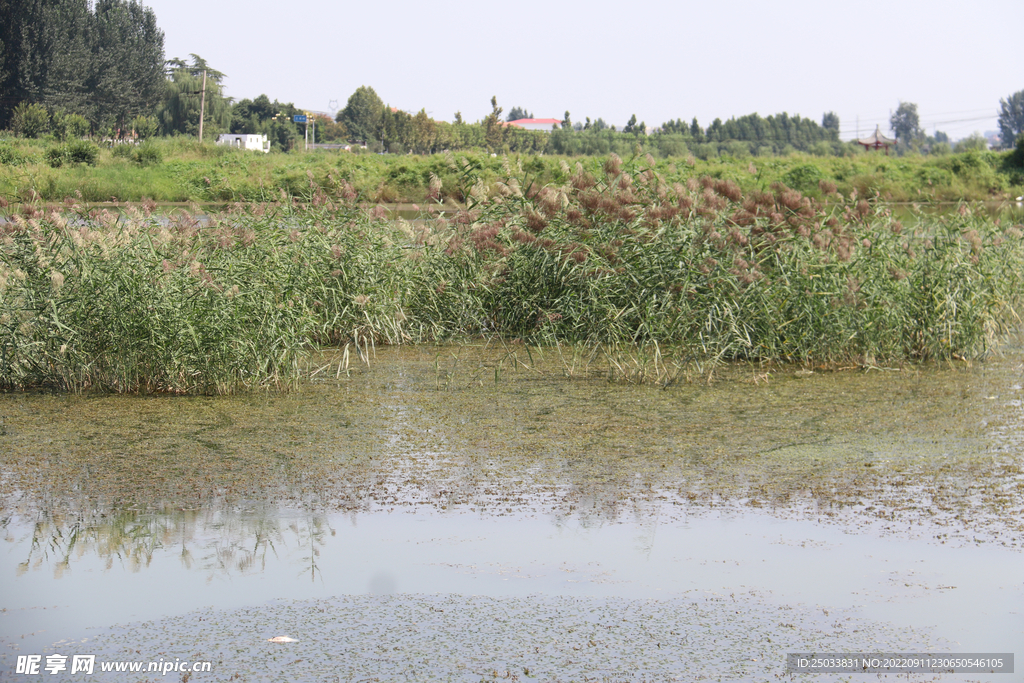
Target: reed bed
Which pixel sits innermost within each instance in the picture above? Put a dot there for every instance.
(620, 260)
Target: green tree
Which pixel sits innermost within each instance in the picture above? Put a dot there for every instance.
(178, 112)
(396, 130)
(32, 36)
(253, 116)
(274, 119)
(67, 126)
(517, 113)
(974, 141)
(677, 127)
(906, 124)
(145, 127)
(830, 121)
(128, 58)
(714, 132)
(67, 65)
(494, 130)
(328, 130)
(103, 61)
(696, 132)
(30, 120)
(362, 114)
(1011, 119)
(424, 133)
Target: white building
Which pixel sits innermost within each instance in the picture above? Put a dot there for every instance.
(546, 125)
(260, 143)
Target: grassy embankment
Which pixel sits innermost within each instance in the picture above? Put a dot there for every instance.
(180, 169)
(696, 273)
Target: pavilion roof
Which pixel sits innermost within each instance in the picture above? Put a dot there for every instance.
(876, 139)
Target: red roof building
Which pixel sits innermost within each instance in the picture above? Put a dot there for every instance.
(535, 124)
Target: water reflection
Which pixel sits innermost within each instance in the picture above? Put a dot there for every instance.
(214, 542)
(227, 480)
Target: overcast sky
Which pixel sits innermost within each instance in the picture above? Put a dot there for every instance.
(660, 59)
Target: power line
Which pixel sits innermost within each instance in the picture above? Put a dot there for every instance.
(976, 118)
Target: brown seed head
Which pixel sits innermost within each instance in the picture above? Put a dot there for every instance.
(613, 166)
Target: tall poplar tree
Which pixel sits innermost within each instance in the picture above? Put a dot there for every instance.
(101, 61)
(128, 61)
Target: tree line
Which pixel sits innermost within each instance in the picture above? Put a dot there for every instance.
(368, 120)
(73, 67)
(99, 62)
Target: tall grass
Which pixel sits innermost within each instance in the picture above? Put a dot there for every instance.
(618, 258)
(762, 275)
(181, 169)
(127, 303)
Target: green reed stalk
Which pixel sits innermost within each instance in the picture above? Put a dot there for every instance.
(654, 274)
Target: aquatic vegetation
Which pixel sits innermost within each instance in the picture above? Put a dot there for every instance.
(451, 637)
(720, 273)
(657, 276)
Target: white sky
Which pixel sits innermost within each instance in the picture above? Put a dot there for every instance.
(660, 60)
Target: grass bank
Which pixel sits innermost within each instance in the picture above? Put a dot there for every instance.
(700, 271)
(180, 169)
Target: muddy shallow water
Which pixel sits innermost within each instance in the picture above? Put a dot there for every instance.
(450, 514)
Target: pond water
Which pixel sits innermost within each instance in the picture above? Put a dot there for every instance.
(471, 513)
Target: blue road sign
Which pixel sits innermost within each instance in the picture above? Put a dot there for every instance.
(299, 118)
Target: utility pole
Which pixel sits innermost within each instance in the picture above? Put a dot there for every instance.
(202, 107)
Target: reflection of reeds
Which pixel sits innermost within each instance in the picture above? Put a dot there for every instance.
(620, 262)
(220, 542)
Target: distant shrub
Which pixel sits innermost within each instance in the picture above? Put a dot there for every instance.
(672, 146)
(145, 127)
(935, 177)
(705, 151)
(737, 149)
(82, 152)
(975, 141)
(30, 120)
(147, 154)
(966, 162)
(55, 156)
(74, 152)
(122, 151)
(9, 156)
(804, 178)
(67, 126)
(822, 148)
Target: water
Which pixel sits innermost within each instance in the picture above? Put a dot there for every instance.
(470, 521)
